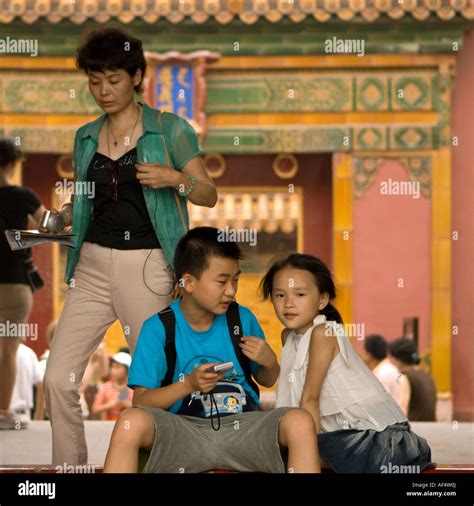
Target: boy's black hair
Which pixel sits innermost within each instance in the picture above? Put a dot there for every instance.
(10, 153)
(321, 275)
(111, 48)
(376, 345)
(196, 247)
(404, 349)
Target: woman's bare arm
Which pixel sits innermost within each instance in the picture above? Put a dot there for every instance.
(204, 192)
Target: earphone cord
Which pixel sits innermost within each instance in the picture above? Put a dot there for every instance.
(213, 401)
(146, 284)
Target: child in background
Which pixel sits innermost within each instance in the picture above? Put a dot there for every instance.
(114, 396)
(360, 427)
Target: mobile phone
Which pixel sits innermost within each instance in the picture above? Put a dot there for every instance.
(218, 368)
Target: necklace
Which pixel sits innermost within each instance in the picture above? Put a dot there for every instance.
(115, 140)
(114, 165)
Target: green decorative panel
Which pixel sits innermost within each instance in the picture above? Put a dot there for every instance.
(411, 137)
(267, 140)
(308, 139)
(270, 91)
(291, 139)
(372, 93)
(330, 94)
(370, 138)
(319, 91)
(442, 103)
(44, 140)
(412, 93)
(66, 93)
(239, 92)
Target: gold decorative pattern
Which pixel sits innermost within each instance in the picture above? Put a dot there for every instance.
(224, 11)
(366, 169)
(215, 165)
(285, 172)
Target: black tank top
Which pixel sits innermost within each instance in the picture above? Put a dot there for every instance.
(123, 223)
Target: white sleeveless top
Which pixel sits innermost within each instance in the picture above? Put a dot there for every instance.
(351, 396)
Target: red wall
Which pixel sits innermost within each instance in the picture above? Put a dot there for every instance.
(314, 176)
(463, 223)
(391, 241)
(40, 175)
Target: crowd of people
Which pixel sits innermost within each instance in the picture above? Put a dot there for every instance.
(103, 394)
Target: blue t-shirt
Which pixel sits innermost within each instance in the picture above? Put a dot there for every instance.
(193, 349)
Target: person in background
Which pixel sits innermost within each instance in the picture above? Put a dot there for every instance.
(96, 373)
(19, 206)
(419, 391)
(376, 358)
(114, 395)
(29, 375)
(49, 338)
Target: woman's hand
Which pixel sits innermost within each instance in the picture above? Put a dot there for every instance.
(46, 230)
(156, 175)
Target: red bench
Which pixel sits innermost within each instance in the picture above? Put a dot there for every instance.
(48, 469)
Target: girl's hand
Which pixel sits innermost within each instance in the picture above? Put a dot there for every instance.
(156, 175)
(258, 350)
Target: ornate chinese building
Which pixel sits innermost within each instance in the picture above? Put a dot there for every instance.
(306, 110)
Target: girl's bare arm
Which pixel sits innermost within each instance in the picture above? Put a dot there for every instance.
(321, 351)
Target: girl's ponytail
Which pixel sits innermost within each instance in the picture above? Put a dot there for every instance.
(332, 314)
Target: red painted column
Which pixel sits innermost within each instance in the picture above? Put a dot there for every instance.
(463, 224)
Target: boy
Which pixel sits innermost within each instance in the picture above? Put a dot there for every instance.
(173, 416)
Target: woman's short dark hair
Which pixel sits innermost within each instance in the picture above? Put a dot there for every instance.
(10, 153)
(405, 350)
(111, 48)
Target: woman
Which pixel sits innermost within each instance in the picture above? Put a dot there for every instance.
(418, 391)
(17, 204)
(143, 166)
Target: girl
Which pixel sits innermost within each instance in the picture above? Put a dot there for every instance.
(360, 427)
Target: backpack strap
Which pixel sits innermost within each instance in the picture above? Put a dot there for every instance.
(168, 319)
(235, 330)
(234, 325)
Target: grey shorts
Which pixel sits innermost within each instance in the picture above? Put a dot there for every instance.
(245, 442)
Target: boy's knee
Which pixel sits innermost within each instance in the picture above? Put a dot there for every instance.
(136, 425)
(296, 424)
